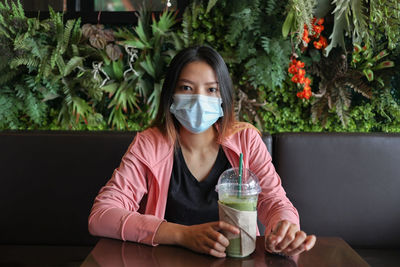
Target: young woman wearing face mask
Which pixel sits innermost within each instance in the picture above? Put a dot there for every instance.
(163, 192)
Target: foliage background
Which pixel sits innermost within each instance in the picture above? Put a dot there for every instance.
(58, 74)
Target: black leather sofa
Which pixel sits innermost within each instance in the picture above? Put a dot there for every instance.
(343, 185)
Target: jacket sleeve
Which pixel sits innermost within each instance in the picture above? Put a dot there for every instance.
(273, 205)
(115, 210)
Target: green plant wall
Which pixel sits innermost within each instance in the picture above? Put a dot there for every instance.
(58, 74)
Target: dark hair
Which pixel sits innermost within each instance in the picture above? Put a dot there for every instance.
(165, 121)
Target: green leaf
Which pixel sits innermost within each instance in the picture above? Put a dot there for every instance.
(265, 43)
(142, 35)
(118, 68)
(117, 119)
(359, 21)
(210, 5)
(110, 88)
(166, 21)
(288, 24)
(369, 74)
(337, 36)
(136, 43)
(147, 65)
(154, 99)
(381, 55)
(80, 108)
(384, 64)
(72, 64)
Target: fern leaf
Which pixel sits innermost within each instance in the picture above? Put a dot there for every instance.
(341, 103)
(271, 7)
(60, 64)
(211, 4)
(28, 61)
(8, 76)
(320, 110)
(355, 81)
(186, 27)
(265, 43)
(76, 33)
(17, 9)
(72, 64)
(69, 26)
(360, 31)
(4, 31)
(46, 68)
(75, 50)
(9, 110)
(342, 13)
(35, 108)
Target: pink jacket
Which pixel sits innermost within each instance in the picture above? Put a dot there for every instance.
(131, 206)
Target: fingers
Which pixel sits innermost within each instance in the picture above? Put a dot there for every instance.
(215, 248)
(297, 245)
(217, 254)
(292, 236)
(310, 242)
(218, 237)
(288, 239)
(277, 236)
(206, 238)
(218, 242)
(281, 231)
(221, 225)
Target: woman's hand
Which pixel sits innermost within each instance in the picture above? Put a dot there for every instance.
(206, 238)
(287, 238)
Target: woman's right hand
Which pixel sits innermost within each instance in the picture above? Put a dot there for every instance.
(204, 238)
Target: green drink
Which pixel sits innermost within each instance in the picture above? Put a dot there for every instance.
(238, 206)
(240, 203)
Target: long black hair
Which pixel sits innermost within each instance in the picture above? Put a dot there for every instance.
(165, 121)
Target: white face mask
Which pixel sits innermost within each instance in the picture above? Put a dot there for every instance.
(196, 112)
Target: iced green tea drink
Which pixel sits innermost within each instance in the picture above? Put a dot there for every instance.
(238, 206)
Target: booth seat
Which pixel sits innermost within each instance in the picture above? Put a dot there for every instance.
(343, 184)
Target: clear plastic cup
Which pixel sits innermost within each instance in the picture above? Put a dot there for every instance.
(241, 197)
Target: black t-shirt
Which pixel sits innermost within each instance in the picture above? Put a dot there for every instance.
(189, 201)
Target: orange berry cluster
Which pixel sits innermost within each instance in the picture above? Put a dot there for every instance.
(318, 28)
(296, 68)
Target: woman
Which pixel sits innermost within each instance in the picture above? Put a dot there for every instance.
(163, 192)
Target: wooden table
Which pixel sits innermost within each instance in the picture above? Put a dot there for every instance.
(328, 251)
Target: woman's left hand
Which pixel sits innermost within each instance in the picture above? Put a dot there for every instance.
(287, 239)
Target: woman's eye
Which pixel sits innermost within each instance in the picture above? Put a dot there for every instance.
(186, 88)
(212, 90)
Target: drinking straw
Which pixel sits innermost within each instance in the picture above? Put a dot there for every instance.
(240, 173)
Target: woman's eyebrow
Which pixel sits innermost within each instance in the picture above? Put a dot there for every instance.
(188, 81)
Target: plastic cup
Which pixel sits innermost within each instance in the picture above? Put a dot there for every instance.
(242, 197)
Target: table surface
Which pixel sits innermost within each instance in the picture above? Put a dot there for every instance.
(328, 251)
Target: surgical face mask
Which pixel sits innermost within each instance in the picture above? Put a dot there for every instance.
(196, 112)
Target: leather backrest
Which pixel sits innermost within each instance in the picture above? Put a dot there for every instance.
(343, 184)
(49, 181)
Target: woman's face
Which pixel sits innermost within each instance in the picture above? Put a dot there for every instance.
(198, 78)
